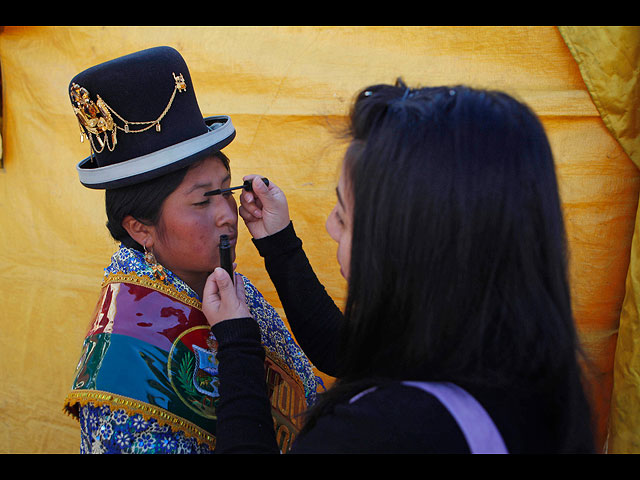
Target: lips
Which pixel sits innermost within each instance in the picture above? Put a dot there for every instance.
(232, 239)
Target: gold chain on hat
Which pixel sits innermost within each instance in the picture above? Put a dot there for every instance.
(96, 118)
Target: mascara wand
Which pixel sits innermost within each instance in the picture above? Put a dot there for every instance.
(246, 185)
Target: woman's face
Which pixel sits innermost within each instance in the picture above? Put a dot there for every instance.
(340, 222)
(187, 236)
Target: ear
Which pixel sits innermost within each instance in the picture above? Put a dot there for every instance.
(141, 233)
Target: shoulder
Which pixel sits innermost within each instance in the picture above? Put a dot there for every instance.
(254, 297)
(388, 419)
(258, 305)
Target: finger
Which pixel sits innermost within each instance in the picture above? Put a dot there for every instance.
(246, 197)
(246, 216)
(258, 183)
(241, 293)
(210, 297)
(211, 286)
(225, 285)
(263, 199)
(251, 177)
(260, 189)
(251, 203)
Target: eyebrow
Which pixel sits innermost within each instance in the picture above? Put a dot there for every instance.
(207, 186)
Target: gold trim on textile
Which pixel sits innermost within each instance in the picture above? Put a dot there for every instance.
(133, 407)
(169, 290)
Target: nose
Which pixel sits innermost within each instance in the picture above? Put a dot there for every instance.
(225, 211)
(330, 225)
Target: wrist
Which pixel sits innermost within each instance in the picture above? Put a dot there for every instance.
(280, 242)
(277, 228)
(242, 327)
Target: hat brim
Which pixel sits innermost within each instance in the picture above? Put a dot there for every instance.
(221, 133)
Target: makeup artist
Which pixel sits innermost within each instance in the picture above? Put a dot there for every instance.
(458, 334)
(147, 379)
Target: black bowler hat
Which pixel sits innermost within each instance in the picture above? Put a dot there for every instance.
(141, 118)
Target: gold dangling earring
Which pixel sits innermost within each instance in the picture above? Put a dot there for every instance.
(158, 270)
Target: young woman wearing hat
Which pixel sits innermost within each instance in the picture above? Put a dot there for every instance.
(458, 334)
(147, 379)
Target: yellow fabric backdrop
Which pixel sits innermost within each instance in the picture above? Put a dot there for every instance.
(288, 91)
(609, 59)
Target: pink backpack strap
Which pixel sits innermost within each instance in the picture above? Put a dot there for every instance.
(479, 430)
(477, 427)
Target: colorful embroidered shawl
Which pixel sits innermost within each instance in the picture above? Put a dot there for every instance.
(149, 351)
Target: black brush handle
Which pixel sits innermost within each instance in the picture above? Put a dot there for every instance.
(225, 255)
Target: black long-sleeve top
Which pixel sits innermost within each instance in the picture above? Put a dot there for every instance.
(392, 419)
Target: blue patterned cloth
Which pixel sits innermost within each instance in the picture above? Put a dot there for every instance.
(106, 431)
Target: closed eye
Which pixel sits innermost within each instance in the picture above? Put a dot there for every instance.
(208, 200)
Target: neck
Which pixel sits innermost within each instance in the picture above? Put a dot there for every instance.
(195, 281)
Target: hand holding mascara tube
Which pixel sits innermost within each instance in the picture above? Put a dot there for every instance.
(224, 297)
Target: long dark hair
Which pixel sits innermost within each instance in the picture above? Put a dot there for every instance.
(458, 263)
(143, 201)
